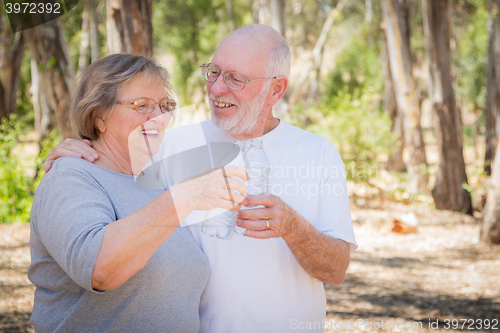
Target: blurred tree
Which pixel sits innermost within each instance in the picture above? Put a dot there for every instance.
(190, 31)
(492, 111)
(11, 55)
(400, 66)
(48, 47)
(490, 227)
(90, 46)
(83, 60)
(448, 192)
(271, 13)
(129, 26)
(395, 160)
(469, 40)
(95, 43)
(355, 124)
(368, 11)
(230, 14)
(314, 62)
(44, 115)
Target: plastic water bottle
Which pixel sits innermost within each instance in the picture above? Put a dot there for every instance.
(258, 168)
(220, 222)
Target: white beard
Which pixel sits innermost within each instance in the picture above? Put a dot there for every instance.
(245, 118)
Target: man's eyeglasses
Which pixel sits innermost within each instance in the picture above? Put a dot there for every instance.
(232, 80)
(147, 105)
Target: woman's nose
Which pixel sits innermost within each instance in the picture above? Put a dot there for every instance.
(156, 112)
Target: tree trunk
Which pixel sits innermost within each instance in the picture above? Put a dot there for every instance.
(492, 112)
(255, 11)
(129, 26)
(404, 88)
(272, 13)
(448, 192)
(48, 48)
(315, 60)
(95, 45)
(278, 18)
(230, 14)
(368, 11)
(44, 118)
(83, 60)
(12, 56)
(3, 109)
(490, 227)
(315, 77)
(395, 160)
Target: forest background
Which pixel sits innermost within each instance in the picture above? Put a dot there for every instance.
(408, 91)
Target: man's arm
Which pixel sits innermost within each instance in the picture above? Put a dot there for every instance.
(71, 147)
(323, 257)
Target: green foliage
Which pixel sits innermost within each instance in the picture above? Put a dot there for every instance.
(72, 25)
(357, 66)
(24, 105)
(189, 30)
(472, 57)
(50, 141)
(350, 114)
(17, 189)
(359, 130)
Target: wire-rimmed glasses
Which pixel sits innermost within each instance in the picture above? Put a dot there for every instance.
(232, 80)
(146, 105)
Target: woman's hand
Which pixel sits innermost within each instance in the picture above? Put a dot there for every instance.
(214, 189)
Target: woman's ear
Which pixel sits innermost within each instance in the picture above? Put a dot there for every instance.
(101, 124)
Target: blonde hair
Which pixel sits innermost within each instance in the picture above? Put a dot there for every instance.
(96, 90)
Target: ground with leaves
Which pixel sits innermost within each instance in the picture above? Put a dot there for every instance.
(437, 273)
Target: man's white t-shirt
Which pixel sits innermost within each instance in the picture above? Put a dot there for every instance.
(258, 285)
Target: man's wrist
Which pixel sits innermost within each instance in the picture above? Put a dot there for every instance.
(298, 228)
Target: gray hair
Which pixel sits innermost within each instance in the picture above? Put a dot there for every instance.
(280, 60)
(96, 90)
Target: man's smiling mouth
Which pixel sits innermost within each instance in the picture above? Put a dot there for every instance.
(223, 105)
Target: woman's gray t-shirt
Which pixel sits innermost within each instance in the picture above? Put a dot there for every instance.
(73, 204)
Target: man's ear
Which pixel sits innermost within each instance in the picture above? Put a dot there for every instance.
(101, 125)
(278, 87)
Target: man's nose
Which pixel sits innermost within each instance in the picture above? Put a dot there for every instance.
(218, 87)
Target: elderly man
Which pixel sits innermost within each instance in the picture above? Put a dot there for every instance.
(270, 279)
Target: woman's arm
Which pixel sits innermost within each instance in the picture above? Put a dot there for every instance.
(129, 243)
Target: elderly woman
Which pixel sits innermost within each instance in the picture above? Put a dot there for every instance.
(107, 255)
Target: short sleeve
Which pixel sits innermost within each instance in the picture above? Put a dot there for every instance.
(70, 218)
(334, 216)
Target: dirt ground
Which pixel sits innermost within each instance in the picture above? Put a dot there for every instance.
(395, 282)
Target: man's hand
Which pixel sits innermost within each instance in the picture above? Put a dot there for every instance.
(71, 147)
(323, 257)
(281, 217)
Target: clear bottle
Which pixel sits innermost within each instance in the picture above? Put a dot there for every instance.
(220, 222)
(258, 168)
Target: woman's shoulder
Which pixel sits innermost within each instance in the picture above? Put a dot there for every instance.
(74, 170)
(70, 162)
(71, 165)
